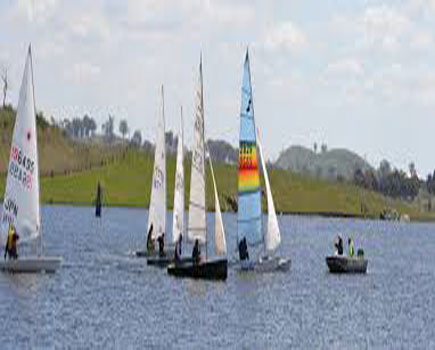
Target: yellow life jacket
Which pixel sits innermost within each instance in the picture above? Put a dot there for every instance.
(10, 239)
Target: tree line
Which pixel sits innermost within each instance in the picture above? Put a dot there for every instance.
(390, 182)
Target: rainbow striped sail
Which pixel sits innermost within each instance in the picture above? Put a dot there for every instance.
(249, 212)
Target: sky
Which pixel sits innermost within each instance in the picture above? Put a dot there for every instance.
(352, 74)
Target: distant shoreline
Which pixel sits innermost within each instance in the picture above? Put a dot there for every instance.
(337, 215)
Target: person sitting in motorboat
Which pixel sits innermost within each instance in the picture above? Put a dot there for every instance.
(196, 252)
(11, 243)
(150, 240)
(177, 254)
(351, 247)
(161, 240)
(243, 250)
(339, 245)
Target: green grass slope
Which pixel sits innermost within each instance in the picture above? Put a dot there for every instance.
(127, 182)
(57, 153)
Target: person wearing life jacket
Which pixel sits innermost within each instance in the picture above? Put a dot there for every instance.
(196, 253)
(243, 250)
(161, 240)
(339, 245)
(351, 247)
(177, 253)
(11, 243)
(150, 240)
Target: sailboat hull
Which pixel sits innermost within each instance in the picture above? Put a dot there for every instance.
(164, 261)
(266, 265)
(210, 270)
(38, 264)
(169, 252)
(346, 264)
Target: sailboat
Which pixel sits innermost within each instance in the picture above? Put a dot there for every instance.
(249, 218)
(21, 207)
(197, 229)
(178, 211)
(157, 209)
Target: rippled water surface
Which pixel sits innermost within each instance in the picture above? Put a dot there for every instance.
(103, 297)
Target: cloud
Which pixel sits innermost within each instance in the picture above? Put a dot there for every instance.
(284, 36)
(34, 11)
(87, 25)
(385, 27)
(422, 40)
(82, 72)
(345, 67)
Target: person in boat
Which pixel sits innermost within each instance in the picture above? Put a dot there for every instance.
(196, 253)
(161, 240)
(150, 240)
(11, 243)
(243, 250)
(339, 245)
(177, 254)
(351, 247)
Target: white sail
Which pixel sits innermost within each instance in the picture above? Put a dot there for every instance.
(178, 214)
(220, 244)
(21, 199)
(197, 222)
(157, 211)
(272, 238)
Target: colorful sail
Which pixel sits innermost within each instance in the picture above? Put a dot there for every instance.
(272, 238)
(21, 199)
(249, 201)
(157, 211)
(220, 244)
(197, 221)
(178, 214)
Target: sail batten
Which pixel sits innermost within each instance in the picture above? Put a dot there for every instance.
(21, 206)
(157, 210)
(197, 217)
(219, 232)
(272, 238)
(178, 214)
(249, 191)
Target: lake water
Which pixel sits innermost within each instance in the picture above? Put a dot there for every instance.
(103, 297)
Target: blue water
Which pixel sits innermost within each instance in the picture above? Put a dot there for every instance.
(103, 297)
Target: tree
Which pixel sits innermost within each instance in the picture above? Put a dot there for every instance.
(315, 147)
(123, 127)
(136, 140)
(108, 128)
(77, 127)
(86, 125)
(412, 170)
(5, 80)
(358, 178)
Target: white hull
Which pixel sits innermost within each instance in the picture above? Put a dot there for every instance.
(35, 264)
(264, 265)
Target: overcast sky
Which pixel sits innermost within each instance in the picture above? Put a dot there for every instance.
(354, 74)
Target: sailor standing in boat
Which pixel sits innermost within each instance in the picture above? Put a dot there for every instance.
(339, 245)
(178, 250)
(243, 250)
(351, 247)
(150, 240)
(161, 240)
(196, 253)
(11, 243)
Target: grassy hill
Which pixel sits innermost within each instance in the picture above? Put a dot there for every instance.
(57, 153)
(70, 172)
(126, 182)
(327, 164)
